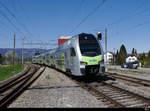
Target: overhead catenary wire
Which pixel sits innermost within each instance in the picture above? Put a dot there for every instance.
(139, 6)
(5, 27)
(138, 25)
(91, 13)
(78, 10)
(7, 18)
(131, 15)
(23, 9)
(13, 15)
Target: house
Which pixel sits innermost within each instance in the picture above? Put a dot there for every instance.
(109, 57)
(131, 59)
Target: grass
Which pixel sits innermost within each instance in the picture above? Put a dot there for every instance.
(9, 70)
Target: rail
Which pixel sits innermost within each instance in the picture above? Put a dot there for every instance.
(11, 88)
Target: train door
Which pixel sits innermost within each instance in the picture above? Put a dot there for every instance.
(67, 59)
(72, 59)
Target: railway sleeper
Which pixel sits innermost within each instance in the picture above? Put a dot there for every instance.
(133, 102)
(110, 105)
(112, 94)
(109, 91)
(124, 97)
(138, 105)
(105, 100)
(116, 96)
(127, 99)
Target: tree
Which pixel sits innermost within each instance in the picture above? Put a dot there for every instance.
(134, 51)
(148, 54)
(117, 58)
(122, 54)
(9, 57)
(142, 56)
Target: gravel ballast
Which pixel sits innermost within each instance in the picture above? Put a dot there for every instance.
(139, 89)
(53, 89)
(139, 73)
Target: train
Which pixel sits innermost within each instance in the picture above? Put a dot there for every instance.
(81, 55)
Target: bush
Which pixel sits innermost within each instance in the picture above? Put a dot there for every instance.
(147, 63)
(1, 59)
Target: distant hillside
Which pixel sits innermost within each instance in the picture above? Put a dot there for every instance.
(27, 52)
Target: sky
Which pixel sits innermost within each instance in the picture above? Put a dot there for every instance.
(127, 22)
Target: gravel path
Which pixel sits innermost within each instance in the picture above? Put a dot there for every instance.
(53, 89)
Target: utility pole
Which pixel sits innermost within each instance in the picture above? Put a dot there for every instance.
(114, 56)
(14, 50)
(104, 30)
(106, 46)
(22, 51)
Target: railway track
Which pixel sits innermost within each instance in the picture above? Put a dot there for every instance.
(130, 79)
(114, 97)
(11, 88)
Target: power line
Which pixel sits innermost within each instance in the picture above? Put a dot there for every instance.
(23, 9)
(91, 13)
(127, 17)
(78, 11)
(139, 25)
(11, 22)
(13, 15)
(2, 36)
(7, 28)
(140, 6)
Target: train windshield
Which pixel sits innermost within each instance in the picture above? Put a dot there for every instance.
(89, 46)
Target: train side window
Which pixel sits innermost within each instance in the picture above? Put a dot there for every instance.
(65, 55)
(72, 52)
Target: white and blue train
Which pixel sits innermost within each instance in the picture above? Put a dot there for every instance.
(80, 56)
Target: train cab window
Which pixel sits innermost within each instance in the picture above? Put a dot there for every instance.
(72, 52)
(89, 46)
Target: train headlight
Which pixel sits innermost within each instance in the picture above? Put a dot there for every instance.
(83, 63)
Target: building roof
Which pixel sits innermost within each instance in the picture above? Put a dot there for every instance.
(65, 37)
(110, 52)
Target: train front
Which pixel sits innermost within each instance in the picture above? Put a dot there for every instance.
(92, 58)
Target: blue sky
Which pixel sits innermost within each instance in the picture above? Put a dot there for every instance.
(127, 21)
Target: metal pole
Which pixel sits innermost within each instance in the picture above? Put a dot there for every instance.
(22, 50)
(14, 50)
(106, 47)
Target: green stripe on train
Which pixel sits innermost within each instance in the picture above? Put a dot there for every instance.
(63, 62)
(55, 62)
(49, 60)
(92, 60)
